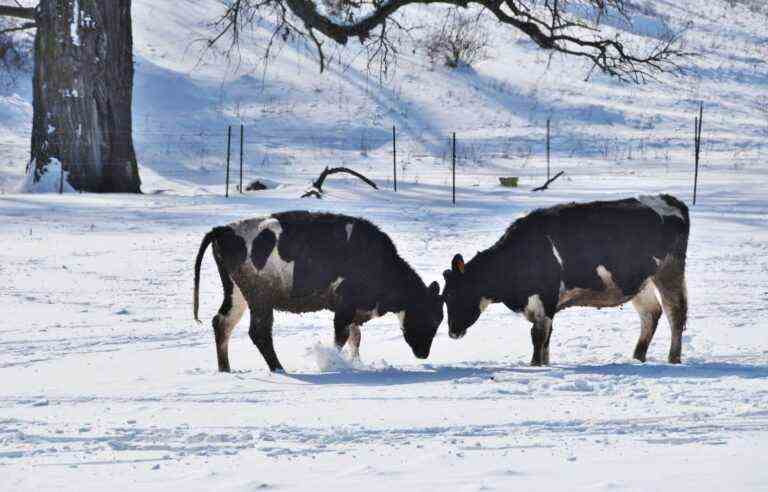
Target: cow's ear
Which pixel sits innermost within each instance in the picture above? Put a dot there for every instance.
(458, 264)
(434, 289)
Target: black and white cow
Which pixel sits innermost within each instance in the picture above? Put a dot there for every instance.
(598, 254)
(301, 262)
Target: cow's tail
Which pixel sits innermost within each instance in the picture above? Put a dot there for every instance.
(207, 240)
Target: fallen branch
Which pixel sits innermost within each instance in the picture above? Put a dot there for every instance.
(549, 181)
(317, 185)
(26, 25)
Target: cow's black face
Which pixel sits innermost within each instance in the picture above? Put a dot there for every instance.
(462, 302)
(421, 319)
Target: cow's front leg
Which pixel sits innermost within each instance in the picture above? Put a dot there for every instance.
(342, 322)
(540, 335)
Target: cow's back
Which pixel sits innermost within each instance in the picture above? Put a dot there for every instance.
(296, 260)
(629, 238)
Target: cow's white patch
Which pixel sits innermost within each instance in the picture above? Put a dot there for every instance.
(562, 287)
(349, 227)
(484, 303)
(556, 252)
(656, 292)
(249, 229)
(648, 300)
(658, 205)
(335, 284)
(273, 225)
(401, 316)
(372, 314)
(658, 261)
(275, 269)
(605, 276)
(534, 310)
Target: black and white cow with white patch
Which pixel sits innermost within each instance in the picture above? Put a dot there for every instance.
(301, 262)
(598, 254)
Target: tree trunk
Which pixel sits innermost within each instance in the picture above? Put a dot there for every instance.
(83, 91)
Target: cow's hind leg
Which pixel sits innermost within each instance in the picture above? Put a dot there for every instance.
(230, 313)
(647, 306)
(670, 281)
(346, 332)
(260, 332)
(354, 341)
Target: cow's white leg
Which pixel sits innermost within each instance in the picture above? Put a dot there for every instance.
(674, 298)
(354, 341)
(647, 306)
(230, 313)
(541, 330)
(540, 335)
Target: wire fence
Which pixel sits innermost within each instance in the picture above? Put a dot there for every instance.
(393, 153)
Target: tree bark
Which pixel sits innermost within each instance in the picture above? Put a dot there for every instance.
(83, 92)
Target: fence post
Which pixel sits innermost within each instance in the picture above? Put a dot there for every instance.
(453, 158)
(697, 149)
(242, 142)
(229, 148)
(548, 145)
(394, 157)
(61, 178)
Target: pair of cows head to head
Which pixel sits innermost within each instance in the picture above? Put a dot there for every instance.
(422, 320)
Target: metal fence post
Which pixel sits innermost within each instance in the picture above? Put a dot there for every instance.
(394, 156)
(453, 155)
(697, 148)
(242, 143)
(548, 146)
(229, 148)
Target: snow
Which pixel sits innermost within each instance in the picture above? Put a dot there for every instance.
(49, 182)
(108, 383)
(75, 24)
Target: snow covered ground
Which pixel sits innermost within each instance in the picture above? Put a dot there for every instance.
(107, 383)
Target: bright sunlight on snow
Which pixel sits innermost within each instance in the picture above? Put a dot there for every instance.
(107, 383)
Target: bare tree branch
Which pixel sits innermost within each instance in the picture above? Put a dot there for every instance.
(18, 12)
(23, 27)
(545, 186)
(317, 185)
(548, 23)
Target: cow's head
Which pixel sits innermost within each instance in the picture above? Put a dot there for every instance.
(460, 296)
(421, 318)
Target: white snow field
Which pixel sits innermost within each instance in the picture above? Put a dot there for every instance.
(106, 382)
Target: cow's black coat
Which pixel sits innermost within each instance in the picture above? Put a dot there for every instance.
(627, 238)
(341, 263)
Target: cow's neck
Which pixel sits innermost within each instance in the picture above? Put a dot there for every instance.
(403, 286)
(489, 273)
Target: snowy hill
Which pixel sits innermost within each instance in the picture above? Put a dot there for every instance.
(107, 383)
(294, 116)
